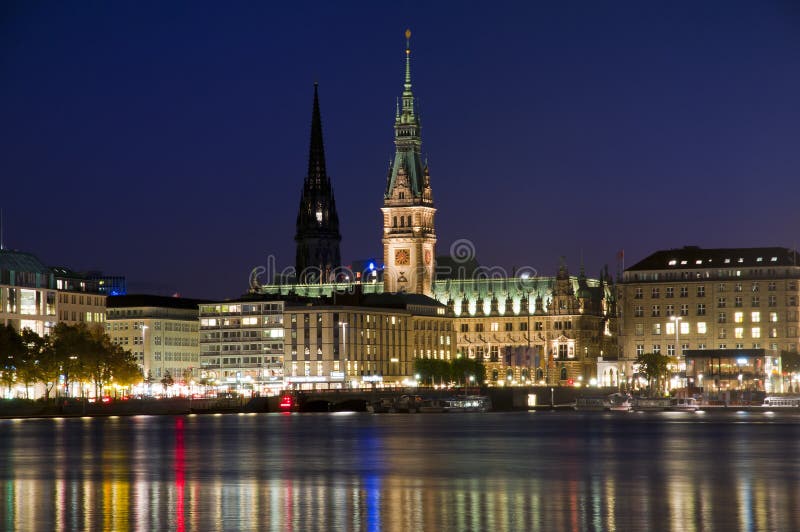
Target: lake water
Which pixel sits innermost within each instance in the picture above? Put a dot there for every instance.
(496, 471)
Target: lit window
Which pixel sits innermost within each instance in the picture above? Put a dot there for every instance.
(755, 332)
(673, 262)
(738, 332)
(773, 317)
(738, 317)
(755, 317)
(701, 327)
(684, 328)
(670, 327)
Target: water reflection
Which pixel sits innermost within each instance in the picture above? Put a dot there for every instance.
(401, 472)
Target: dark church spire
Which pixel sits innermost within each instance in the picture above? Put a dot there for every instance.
(317, 235)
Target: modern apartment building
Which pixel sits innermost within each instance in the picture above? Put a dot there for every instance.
(242, 344)
(162, 332)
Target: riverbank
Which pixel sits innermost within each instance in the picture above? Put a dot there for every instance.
(20, 408)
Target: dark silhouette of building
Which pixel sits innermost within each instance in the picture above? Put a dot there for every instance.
(317, 235)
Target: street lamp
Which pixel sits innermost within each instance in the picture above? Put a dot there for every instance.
(343, 324)
(145, 366)
(677, 321)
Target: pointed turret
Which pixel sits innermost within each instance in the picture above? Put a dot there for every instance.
(317, 235)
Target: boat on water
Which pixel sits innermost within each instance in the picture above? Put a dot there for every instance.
(461, 403)
(782, 401)
(663, 404)
(617, 402)
(651, 404)
(683, 404)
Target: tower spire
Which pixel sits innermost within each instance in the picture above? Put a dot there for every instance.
(408, 96)
(317, 235)
(316, 152)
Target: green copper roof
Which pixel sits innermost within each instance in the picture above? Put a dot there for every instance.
(407, 139)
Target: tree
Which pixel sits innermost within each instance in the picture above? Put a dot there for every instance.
(28, 367)
(69, 344)
(655, 367)
(49, 367)
(463, 368)
(167, 381)
(124, 369)
(11, 350)
(790, 365)
(431, 370)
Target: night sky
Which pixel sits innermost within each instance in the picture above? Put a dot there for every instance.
(168, 141)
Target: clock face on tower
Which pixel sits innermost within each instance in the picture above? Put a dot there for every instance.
(427, 257)
(402, 257)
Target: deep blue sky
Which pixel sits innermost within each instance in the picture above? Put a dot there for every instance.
(168, 141)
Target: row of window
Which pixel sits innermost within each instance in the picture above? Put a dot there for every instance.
(509, 326)
(79, 300)
(700, 291)
(247, 321)
(738, 332)
(707, 274)
(700, 309)
(656, 348)
(246, 308)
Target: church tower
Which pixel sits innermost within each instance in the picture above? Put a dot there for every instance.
(409, 238)
(317, 235)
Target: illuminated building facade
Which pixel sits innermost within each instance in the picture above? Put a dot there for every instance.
(242, 344)
(719, 299)
(550, 330)
(364, 340)
(161, 332)
(37, 297)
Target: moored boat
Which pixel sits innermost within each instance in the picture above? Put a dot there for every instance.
(683, 404)
(782, 401)
(617, 402)
(651, 404)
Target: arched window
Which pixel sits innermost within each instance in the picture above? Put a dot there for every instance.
(525, 374)
(563, 374)
(509, 374)
(539, 374)
(494, 374)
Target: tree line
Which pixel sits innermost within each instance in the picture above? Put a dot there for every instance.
(432, 370)
(78, 352)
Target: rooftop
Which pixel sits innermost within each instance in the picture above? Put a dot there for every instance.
(693, 257)
(19, 261)
(146, 300)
